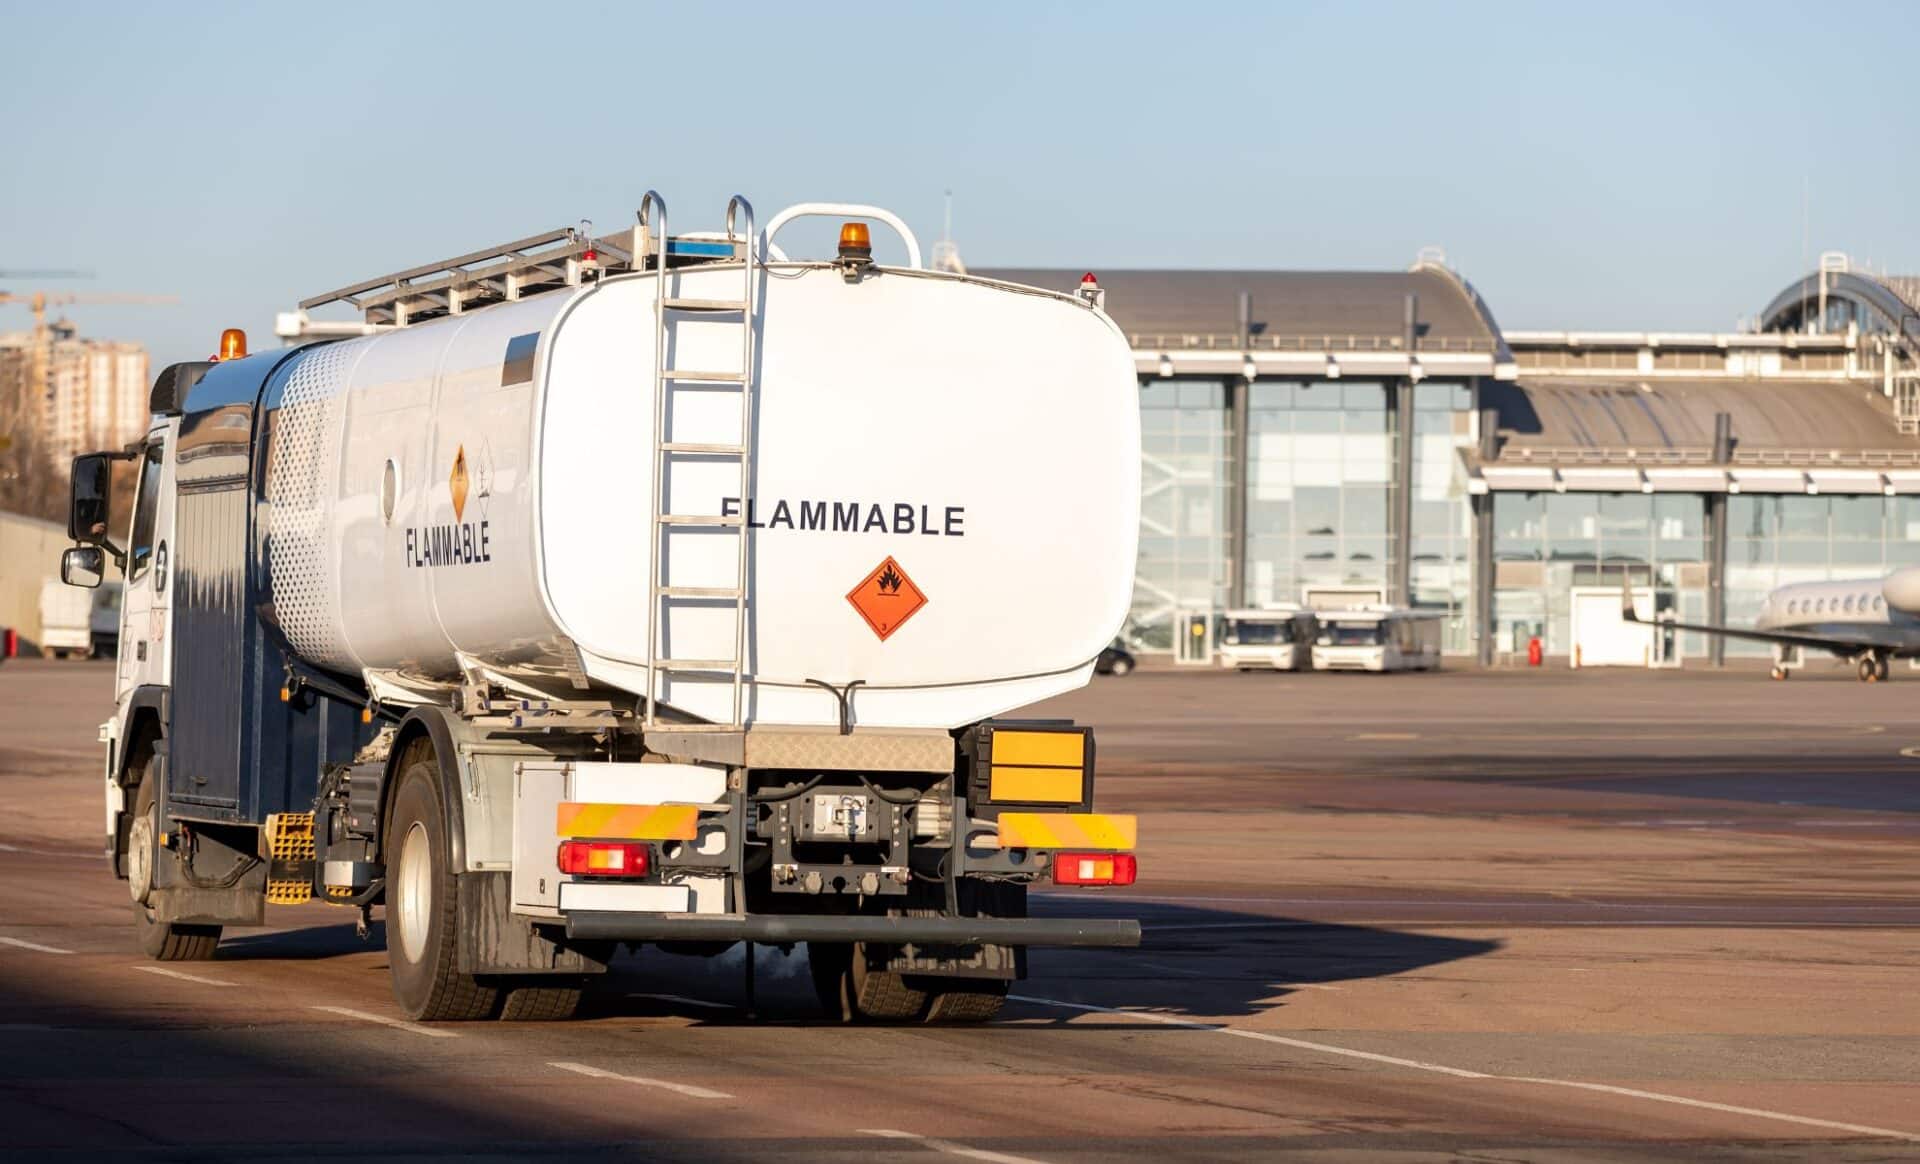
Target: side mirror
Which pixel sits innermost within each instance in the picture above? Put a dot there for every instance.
(83, 566)
(89, 513)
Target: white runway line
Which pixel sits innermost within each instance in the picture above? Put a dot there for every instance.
(1757, 1112)
(701, 1002)
(686, 1089)
(35, 946)
(182, 975)
(948, 1146)
(1441, 1069)
(1386, 736)
(397, 1024)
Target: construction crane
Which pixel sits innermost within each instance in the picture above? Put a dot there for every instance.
(41, 300)
(40, 350)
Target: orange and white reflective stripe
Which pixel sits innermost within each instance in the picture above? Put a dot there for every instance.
(628, 822)
(1068, 830)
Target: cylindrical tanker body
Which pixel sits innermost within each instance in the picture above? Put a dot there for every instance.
(942, 514)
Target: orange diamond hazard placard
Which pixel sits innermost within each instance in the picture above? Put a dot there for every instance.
(886, 598)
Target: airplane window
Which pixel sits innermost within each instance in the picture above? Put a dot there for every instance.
(1793, 606)
(1849, 604)
(1820, 606)
(1879, 603)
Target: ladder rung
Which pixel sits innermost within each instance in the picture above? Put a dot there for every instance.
(698, 519)
(706, 305)
(705, 377)
(695, 664)
(698, 447)
(697, 591)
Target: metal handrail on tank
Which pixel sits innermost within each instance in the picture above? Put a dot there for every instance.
(739, 201)
(652, 200)
(843, 210)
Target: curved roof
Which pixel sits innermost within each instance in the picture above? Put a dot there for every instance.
(1291, 310)
(1542, 413)
(1896, 298)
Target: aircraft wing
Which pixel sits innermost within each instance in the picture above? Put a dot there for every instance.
(1835, 643)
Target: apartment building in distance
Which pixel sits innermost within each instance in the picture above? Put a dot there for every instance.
(83, 393)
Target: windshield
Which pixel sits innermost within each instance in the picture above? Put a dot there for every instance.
(1351, 634)
(1258, 633)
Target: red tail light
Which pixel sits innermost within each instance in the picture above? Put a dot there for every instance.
(1094, 868)
(604, 858)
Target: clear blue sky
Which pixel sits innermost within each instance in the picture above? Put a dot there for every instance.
(1597, 166)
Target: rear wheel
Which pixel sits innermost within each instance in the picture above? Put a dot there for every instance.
(1886, 665)
(851, 991)
(545, 1003)
(422, 922)
(161, 941)
(1869, 670)
(1120, 667)
(966, 1000)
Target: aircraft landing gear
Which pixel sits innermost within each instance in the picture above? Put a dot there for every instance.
(1872, 667)
(1779, 672)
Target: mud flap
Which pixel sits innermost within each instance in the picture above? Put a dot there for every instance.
(493, 941)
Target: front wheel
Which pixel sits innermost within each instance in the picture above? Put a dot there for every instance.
(422, 907)
(1869, 670)
(161, 941)
(1120, 667)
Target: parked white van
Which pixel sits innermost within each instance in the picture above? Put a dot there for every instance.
(1277, 639)
(1383, 638)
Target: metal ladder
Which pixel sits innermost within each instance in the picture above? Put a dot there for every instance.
(652, 233)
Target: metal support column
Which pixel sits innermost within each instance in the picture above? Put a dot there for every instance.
(1717, 542)
(1484, 568)
(1238, 475)
(1400, 518)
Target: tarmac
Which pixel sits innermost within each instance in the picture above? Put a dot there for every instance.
(1507, 915)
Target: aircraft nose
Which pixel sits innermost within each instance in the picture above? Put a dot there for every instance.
(1902, 590)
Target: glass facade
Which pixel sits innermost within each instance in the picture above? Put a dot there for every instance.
(1320, 495)
(1594, 539)
(1319, 487)
(1776, 540)
(1441, 572)
(1186, 445)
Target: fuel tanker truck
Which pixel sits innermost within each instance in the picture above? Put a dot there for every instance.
(635, 590)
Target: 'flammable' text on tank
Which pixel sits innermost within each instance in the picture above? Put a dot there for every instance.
(898, 517)
(448, 545)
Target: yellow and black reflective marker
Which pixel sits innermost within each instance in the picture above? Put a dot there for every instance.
(1033, 763)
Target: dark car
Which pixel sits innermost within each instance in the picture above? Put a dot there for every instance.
(1116, 659)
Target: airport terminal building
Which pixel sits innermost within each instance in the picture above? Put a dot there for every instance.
(1378, 434)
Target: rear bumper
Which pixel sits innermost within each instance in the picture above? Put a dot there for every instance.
(777, 929)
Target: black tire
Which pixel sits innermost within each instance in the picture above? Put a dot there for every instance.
(1120, 667)
(850, 991)
(158, 940)
(1869, 670)
(1885, 669)
(547, 1003)
(968, 1000)
(426, 983)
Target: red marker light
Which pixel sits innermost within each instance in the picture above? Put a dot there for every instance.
(1095, 869)
(1088, 278)
(603, 859)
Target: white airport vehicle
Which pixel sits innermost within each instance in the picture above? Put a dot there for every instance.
(1868, 621)
(74, 624)
(1273, 639)
(647, 588)
(1383, 638)
(66, 620)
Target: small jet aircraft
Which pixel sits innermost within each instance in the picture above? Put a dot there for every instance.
(1870, 621)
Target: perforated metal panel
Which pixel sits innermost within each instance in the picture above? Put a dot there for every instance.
(303, 467)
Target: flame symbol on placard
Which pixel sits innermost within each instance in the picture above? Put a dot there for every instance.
(458, 483)
(889, 579)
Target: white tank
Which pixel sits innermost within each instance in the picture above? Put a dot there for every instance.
(477, 490)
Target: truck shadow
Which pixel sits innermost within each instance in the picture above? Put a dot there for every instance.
(1192, 961)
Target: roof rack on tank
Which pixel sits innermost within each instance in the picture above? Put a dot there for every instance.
(513, 270)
